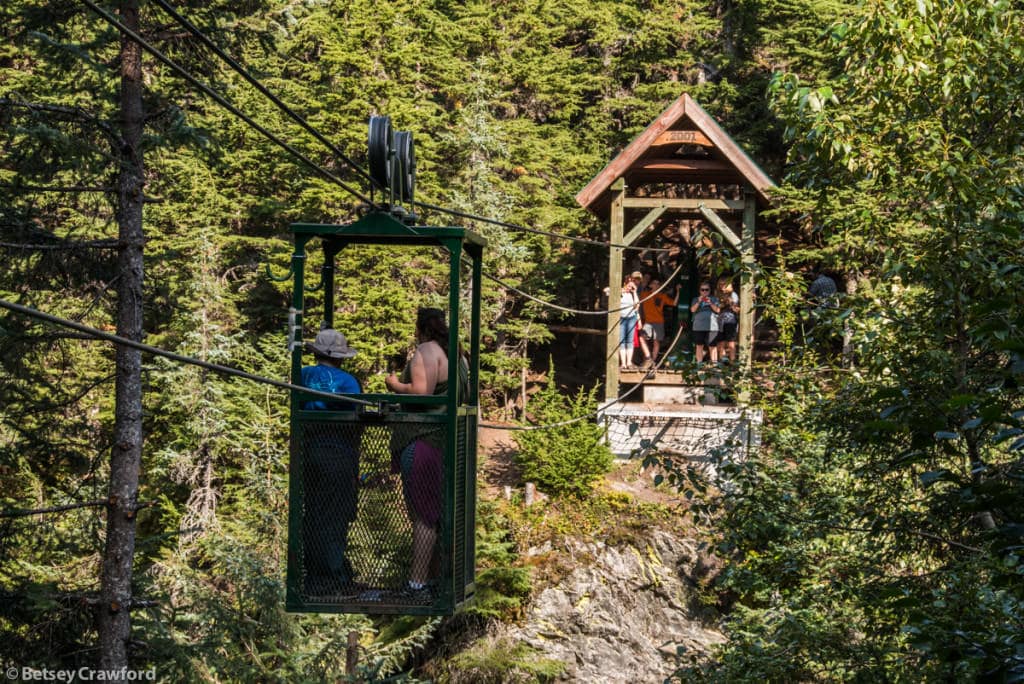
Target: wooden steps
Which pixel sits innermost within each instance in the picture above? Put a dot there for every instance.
(686, 387)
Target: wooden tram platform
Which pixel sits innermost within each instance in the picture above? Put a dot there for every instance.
(707, 386)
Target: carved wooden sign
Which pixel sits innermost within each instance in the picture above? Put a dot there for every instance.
(683, 138)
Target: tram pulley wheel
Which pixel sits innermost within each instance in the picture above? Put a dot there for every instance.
(405, 166)
(379, 144)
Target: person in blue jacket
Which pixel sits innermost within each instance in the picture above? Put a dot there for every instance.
(330, 471)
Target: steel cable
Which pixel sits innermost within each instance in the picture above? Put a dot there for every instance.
(219, 99)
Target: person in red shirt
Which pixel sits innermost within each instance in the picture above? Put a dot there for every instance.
(652, 309)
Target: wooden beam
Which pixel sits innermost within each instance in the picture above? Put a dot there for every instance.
(618, 220)
(752, 173)
(676, 165)
(618, 166)
(681, 203)
(577, 330)
(683, 138)
(746, 323)
(643, 225)
(638, 177)
(721, 226)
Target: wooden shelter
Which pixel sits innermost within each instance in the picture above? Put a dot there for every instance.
(683, 166)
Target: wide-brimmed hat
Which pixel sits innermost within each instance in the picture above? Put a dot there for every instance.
(636, 275)
(332, 344)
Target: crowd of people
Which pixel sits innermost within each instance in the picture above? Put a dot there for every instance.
(642, 322)
(714, 320)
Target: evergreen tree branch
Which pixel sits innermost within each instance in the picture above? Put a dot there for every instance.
(870, 530)
(57, 188)
(69, 114)
(63, 246)
(25, 512)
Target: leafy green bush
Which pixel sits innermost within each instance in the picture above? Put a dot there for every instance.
(566, 458)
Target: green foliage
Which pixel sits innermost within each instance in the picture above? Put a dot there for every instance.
(569, 457)
(514, 106)
(783, 292)
(496, 661)
(501, 593)
(877, 535)
(398, 641)
(502, 586)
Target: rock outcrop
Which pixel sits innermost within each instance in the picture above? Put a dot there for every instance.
(622, 611)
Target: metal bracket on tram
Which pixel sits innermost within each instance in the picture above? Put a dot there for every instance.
(405, 216)
(318, 287)
(294, 330)
(286, 276)
(291, 269)
(378, 411)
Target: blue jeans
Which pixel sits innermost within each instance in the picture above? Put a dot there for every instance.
(627, 326)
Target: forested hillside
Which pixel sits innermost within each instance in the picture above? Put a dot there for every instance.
(876, 535)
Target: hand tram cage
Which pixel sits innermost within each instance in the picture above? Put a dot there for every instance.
(358, 476)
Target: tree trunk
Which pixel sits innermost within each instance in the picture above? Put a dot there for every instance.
(114, 620)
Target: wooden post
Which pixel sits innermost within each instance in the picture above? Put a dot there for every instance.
(618, 220)
(352, 653)
(746, 324)
(522, 388)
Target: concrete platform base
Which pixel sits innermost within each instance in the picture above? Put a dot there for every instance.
(692, 431)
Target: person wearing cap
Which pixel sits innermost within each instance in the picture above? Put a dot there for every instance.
(329, 349)
(330, 472)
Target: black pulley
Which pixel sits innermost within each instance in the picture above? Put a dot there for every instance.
(379, 147)
(405, 156)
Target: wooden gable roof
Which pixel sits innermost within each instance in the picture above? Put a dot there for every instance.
(683, 145)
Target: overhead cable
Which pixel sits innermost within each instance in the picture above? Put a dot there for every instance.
(622, 397)
(254, 82)
(582, 312)
(227, 370)
(331, 176)
(124, 341)
(538, 231)
(221, 101)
